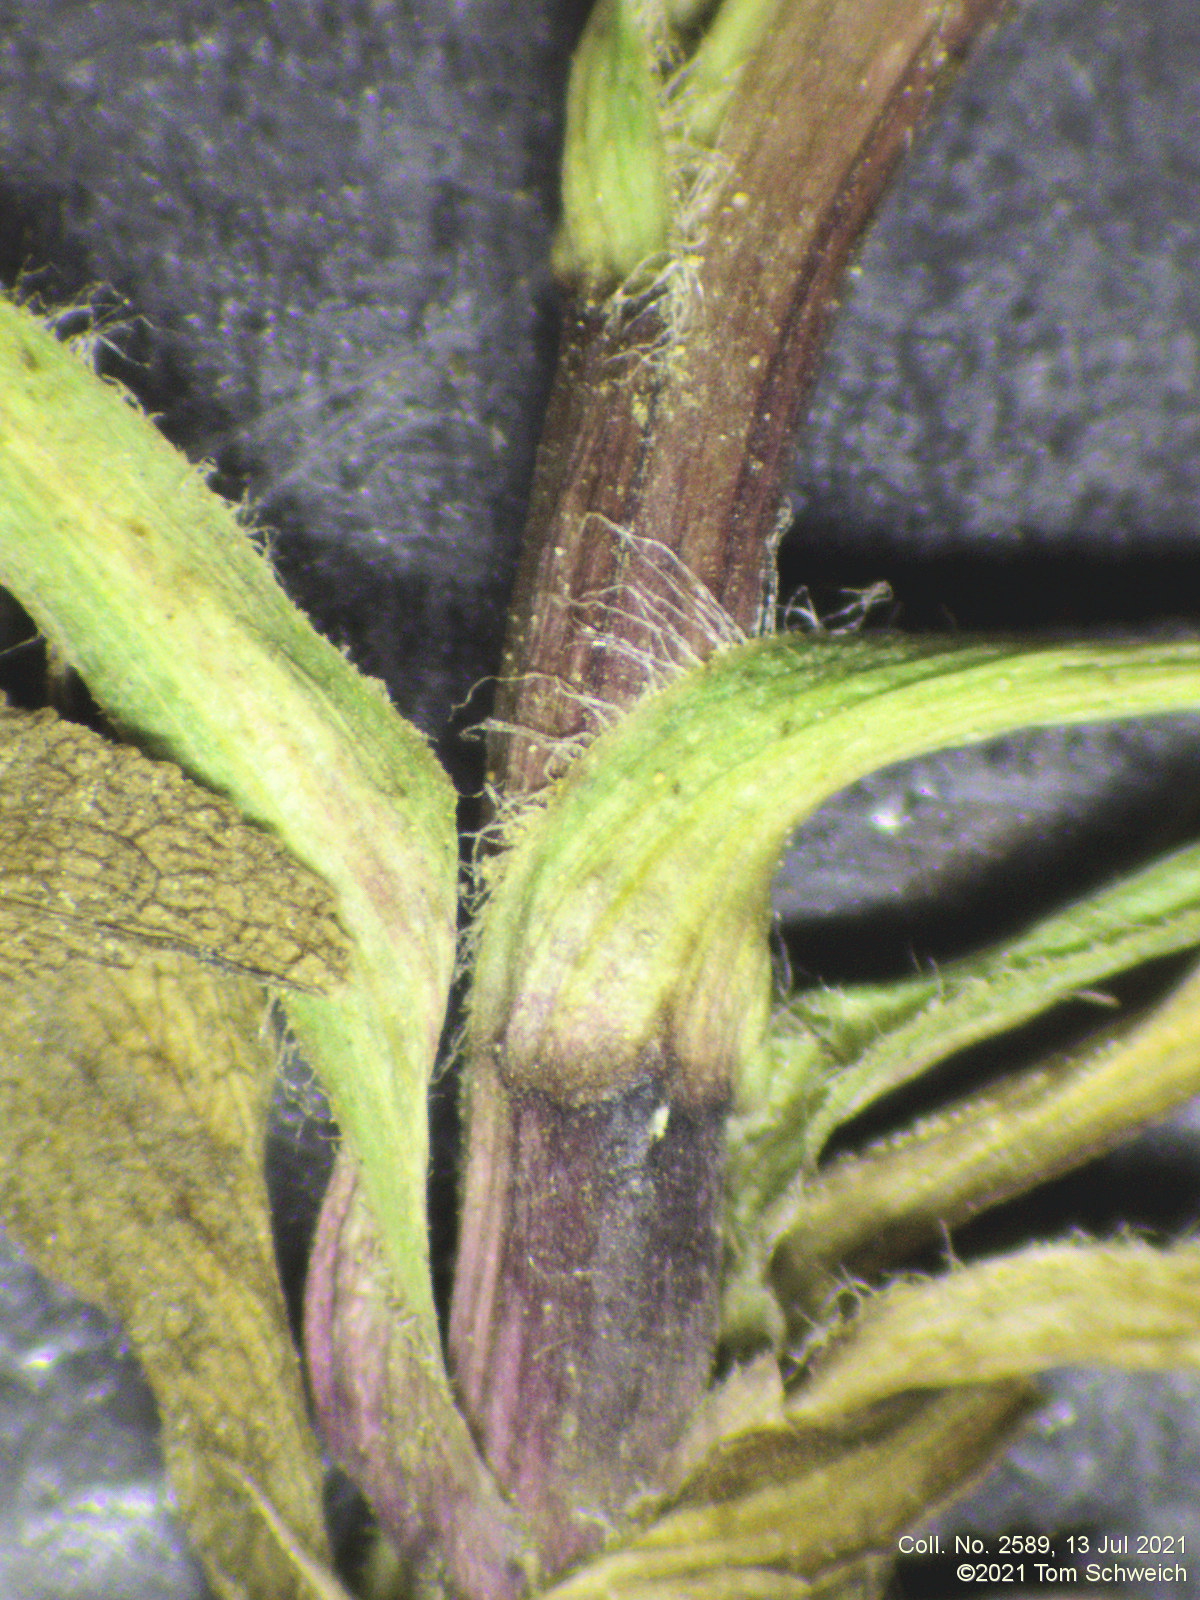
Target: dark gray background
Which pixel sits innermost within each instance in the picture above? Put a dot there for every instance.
(321, 233)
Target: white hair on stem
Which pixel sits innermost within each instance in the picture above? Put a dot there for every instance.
(800, 615)
(657, 619)
(660, 618)
(662, 622)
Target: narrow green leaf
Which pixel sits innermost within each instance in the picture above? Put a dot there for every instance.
(830, 1052)
(1123, 1305)
(104, 854)
(707, 83)
(864, 1211)
(132, 1114)
(627, 929)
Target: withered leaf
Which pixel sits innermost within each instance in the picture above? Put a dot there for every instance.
(104, 852)
(132, 1113)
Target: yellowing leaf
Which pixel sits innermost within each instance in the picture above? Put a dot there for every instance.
(1123, 1305)
(865, 1210)
(146, 582)
(813, 1504)
(132, 1112)
(103, 852)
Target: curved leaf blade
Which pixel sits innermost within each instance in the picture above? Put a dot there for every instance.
(145, 581)
(626, 933)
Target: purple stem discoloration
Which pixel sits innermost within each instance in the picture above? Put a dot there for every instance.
(586, 1300)
(387, 1418)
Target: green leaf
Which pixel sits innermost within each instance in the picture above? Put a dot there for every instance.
(831, 1052)
(132, 1114)
(145, 582)
(626, 935)
(863, 1211)
(1123, 1305)
(616, 187)
(706, 85)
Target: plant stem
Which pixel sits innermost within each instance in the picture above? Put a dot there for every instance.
(684, 439)
(585, 1306)
(592, 1242)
